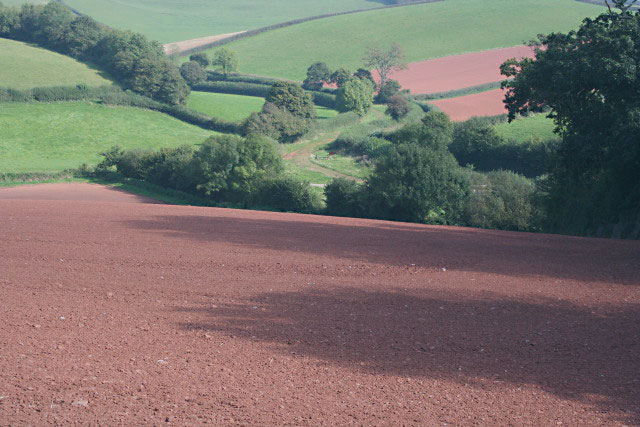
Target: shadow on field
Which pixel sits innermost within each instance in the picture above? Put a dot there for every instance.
(389, 243)
(571, 351)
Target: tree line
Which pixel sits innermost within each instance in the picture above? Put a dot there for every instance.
(134, 61)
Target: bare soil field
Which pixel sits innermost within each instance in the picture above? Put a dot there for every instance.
(487, 103)
(184, 45)
(136, 313)
(457, 71)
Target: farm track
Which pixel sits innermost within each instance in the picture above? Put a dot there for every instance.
(125, 312)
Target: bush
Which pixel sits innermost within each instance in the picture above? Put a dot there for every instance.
(473, 140)
(317, 75)
(288, 195)
(397, 107)
(344, 198)
(292, 98)
(275, 123)
(201, 58)
(192, 72)
(389, 89)
(355, 95)
(502, 200)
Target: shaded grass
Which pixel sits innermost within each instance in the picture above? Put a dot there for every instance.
(58, 136)
(523, 129)
(169, 20)
(24, 66)
(424, 31)
(344, 164)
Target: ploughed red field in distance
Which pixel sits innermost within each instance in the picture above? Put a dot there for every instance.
(120, 311)
(457, 71)
(489, 103)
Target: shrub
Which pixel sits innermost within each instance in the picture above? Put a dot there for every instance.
(344, 198)
(355, 95)
(502, 200)
(192, 72)
(275, 123)
(292, 98)
(317, 75)
(397, 107)
(387, 90)
(288, 195)
(201, 58)
(473, 140)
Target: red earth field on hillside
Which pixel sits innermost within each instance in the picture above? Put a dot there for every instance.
(120, 311)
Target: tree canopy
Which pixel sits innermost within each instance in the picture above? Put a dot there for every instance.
(590, 79)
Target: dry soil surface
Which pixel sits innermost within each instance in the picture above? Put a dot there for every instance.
(135, 313)
(457, 71)
(181, 46)
(489, 103)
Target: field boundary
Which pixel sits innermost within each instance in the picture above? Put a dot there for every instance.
(257, 31)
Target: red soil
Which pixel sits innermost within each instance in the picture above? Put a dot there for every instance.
(457, 71)
(479, 104)
(133, 313)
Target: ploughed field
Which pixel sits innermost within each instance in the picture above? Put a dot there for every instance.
(120, 311)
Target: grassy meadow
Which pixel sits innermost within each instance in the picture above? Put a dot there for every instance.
(170, 20)
(424, 31)
(535, 128)
(25, 66)
(43, 137)
(236, 107)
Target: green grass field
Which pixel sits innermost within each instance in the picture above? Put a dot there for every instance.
(171, 20)
(236, 107)
(25, 66)
(424, 31)
(535, 128)
(51, 137)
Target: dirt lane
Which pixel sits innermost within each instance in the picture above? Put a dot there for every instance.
(134, 313)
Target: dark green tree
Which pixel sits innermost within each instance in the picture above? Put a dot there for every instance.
(387, 90)
(317, 75)
(589, 79)
(192, 72)
(397, 107)
(473, 141)
(201, 58)
(340, 77)
(291, 97)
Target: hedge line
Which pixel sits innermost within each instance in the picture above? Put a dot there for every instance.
(322, 99)
(257, 31)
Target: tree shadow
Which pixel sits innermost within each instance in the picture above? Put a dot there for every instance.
(584, 354)
(401, 244)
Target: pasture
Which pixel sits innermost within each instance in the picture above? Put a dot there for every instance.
(236, 107)
(534, 128)
(52, 137)
(170, 21)
(425, 31)
(25, 66)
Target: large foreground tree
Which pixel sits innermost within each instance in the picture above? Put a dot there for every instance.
(590, 79)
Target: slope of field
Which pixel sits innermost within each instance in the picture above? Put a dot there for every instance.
(236, 107)
(170, 20)
(536, 128)
(489, 103)
(131, 314)
(457, 71)
(52, 137)
(25, 66)
(425, 31)
(225, 106)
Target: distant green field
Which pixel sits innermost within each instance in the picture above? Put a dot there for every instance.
(225, 106)
(424, 31)
(236, 107)
(51, 137)
(24, 66)
(536, 128)
(171, 20)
